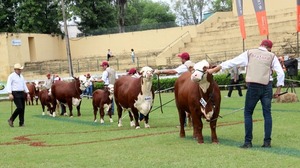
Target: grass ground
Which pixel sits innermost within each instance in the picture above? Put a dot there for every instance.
(79, 142)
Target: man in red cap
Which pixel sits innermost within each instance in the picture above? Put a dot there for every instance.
(260, 62)
(48, 82)
(108, 77)
(186, 64)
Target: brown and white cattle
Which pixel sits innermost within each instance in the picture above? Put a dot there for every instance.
(33, 92)
(199, 95)
(102, 100)
(46, 101)
(67, 93)
(135, 95)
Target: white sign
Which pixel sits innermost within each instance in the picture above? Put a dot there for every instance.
(16, 42)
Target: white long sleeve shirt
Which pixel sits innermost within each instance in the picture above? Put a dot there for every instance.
(242, 60)
(16, 82)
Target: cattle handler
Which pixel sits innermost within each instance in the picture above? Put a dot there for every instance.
(260, 62)
(16, 87)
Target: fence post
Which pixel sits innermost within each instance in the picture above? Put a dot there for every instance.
(78, 69)
(60, 68)
(118, 63)
(98, 64)
(137, 62)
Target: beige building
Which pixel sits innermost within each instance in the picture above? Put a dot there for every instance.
(216, 39)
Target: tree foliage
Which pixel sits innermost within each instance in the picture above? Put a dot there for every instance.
(145, 12)
(189, 11)
(94, 15)
(221, 5)
(7, 16)
(38, 16)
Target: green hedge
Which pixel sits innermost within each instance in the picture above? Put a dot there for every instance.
(167, 83)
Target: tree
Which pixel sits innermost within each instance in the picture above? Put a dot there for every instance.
(148, 14)
(38, 16)
(121, 5)
(95, 15)
(221, 5)
(7, 16)
(189, 11)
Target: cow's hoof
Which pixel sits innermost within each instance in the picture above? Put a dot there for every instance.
(138, 127)
(65, 114)
(71, 116)
(102, 121)
(120, 125)
(111, 120)
(132, 124)
(147, 126)
(53, 115)
(43, 113)
(95, 120)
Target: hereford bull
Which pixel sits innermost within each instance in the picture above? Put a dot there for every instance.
(199, 95)
(135, 95)
(67, 93)
(45, 100)
(102, 100)
(33, 92)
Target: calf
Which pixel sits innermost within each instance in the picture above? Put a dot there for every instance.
(199, 95)
(45, 100)
(102, 100)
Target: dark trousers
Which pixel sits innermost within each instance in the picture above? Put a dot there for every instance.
(231, 88)
(19, 100)
(256, 92)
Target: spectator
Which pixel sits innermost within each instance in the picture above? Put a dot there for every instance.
(48, 82)
(89, 89)
(234, 82)
(132, 56)
(109, 54)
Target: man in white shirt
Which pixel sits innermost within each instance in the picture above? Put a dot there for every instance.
(16, 88)
(48, 82)
(260, 63)
(108, 77)
(186, 64)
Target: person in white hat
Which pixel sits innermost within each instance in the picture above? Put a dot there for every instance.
(16, 88)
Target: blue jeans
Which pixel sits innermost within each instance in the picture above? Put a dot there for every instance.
(89, 91)
(256, 92)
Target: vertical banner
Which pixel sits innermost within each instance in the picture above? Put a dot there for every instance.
(239, 7)
(261, 17)
(298, 15)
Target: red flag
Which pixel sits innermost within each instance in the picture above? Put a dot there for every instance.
(239, 7)
(298, 15)
(261, 17)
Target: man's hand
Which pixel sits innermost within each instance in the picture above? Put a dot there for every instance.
(11, 97)
(28, 96)
(157, 72)
(277, 93)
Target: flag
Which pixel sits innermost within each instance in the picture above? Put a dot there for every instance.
(298, 15)
(261, 17)
(239, 7)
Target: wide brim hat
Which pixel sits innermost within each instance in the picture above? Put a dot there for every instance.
(18, 66)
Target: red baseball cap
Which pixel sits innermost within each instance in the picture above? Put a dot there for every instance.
(267, 43)
(184, 55)
(104, 63)
(131, 71)
(48, 75)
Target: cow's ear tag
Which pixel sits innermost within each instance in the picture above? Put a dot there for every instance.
(203, 102)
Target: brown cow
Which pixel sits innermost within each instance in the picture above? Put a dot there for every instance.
(33, 92)
(102, 99)
(135, 95)
(67, 93)
(201, 98)
(45, 100)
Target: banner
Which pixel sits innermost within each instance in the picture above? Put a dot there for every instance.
(239, 7)
(298, 15)
(261, 17)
